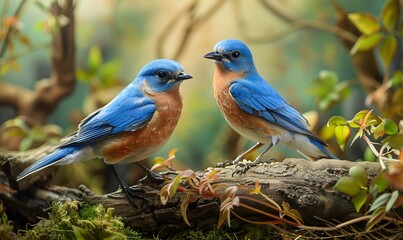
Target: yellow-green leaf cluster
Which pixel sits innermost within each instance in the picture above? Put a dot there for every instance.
(354, 185)
(380, 31)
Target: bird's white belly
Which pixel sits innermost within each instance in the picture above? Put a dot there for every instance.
(256, 135)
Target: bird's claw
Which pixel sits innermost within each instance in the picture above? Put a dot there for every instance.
(130, 192)
(243, 167)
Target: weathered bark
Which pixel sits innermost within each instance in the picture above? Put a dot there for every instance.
(305, 185)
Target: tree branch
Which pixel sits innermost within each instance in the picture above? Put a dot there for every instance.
(307, 186)
(192, 22)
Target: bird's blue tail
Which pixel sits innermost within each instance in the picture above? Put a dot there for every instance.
(326, 153)
(49, 160)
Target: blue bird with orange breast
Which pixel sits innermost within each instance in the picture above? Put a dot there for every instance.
(131, 127)
(254, 109)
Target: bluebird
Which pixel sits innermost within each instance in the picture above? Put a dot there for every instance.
(131, 127)
(254, 109)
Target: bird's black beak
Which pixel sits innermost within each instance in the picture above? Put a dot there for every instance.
(183, 76)
(214, 55)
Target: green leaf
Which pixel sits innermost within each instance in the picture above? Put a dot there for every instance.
(26, 144)
(344, 90)
(325, 103)
(327, 132)
(379, 201)
(380, 183)
(17, 122)
(360, 199)
(82, 234)
(359, 174)
(342, 134)
(328, 78)
(348, 185)
(369, 156)
(356, 136)
(108, 73)
(110, 69)
(366, 42)
(329, 91)
(158, 160)
(360, 117)
(37, 134)
(378, 131)
(396, 79)
(12, 132)
(83, 75)
(336, 121)
(388, 49)
(392, 200)
(174, 185)
(390, 14)
(323, 84)
(389, 126)
(365, 22)
(385, 127)
(95, 58)
(395, 141)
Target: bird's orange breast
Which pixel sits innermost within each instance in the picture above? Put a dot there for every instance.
(253, 127)
(140, 144)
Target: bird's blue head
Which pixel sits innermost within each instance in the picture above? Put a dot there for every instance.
(234, 55)
(161, 75)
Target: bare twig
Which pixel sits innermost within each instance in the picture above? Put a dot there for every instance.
(295, 24)
(24, 52)
(193, 22)
(11, 28)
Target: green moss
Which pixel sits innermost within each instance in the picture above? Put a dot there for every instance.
(75, 220)
(6, 229)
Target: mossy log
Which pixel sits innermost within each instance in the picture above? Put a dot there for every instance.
(307, 186)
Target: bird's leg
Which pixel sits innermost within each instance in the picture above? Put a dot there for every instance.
(245, 166)
(150, 176)
(241, 156)
(130, 192)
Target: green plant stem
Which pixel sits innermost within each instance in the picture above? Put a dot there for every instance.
(373, 149)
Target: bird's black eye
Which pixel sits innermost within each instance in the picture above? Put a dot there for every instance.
(161, 74)
(235, 54)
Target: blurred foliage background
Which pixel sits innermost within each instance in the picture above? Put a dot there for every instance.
(114, 39)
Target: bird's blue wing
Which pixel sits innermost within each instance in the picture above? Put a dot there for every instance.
(129, 111)
(258, 98)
